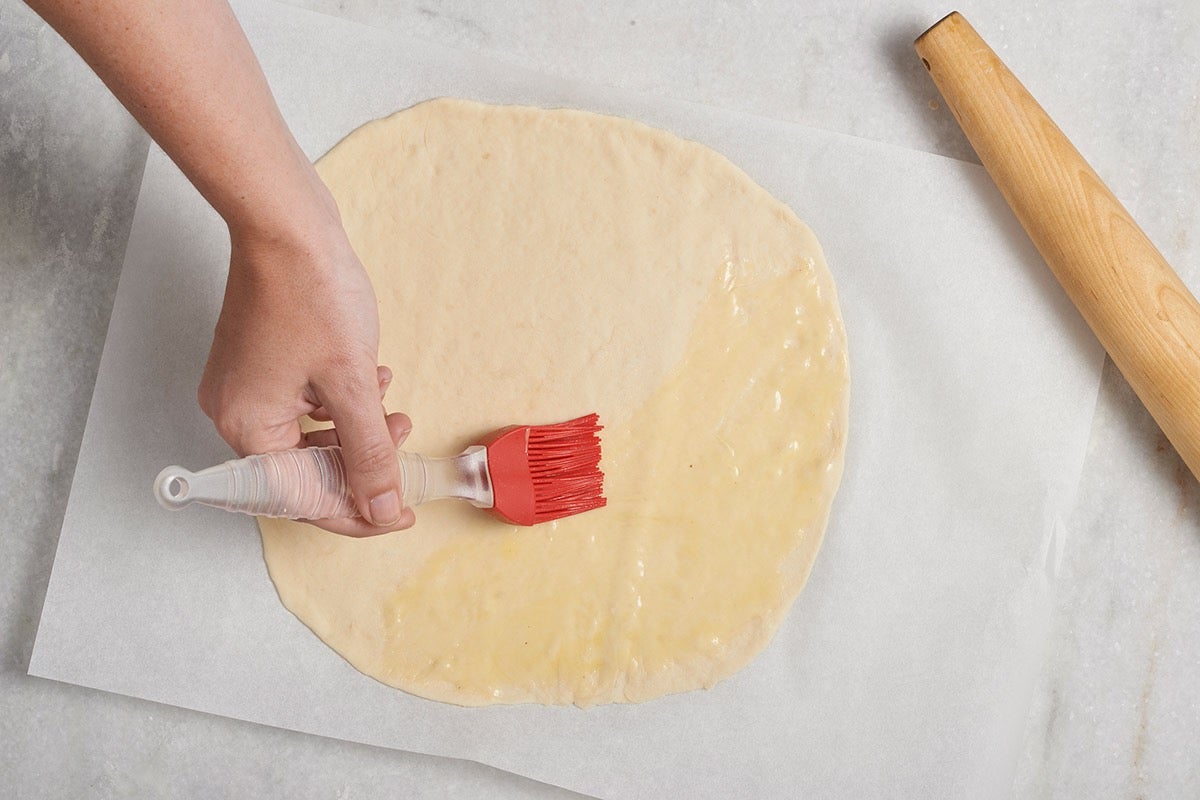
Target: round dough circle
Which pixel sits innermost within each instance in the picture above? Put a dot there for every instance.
(534, 265)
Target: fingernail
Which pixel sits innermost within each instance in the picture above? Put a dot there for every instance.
(385, 509)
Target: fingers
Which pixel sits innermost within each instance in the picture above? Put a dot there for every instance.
(247, 432)
(385, 380)
(370, 456)
(359, 528)
(399, 426)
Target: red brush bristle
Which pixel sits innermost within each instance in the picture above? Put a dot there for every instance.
(564, 462)
(546, 472)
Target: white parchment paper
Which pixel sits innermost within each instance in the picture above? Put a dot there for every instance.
(905, 666)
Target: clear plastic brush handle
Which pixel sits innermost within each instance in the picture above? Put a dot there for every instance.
(311, 483)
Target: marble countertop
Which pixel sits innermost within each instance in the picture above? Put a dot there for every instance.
(1116, 711)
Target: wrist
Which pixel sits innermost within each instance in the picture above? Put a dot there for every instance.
(288, 231)
(287, 203)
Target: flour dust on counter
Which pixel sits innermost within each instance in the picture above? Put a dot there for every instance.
(533, 265)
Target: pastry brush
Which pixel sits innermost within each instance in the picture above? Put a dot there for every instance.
(524, 474)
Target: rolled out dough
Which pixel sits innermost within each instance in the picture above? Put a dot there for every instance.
(535, 265)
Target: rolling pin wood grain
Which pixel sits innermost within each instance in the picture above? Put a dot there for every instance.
(1135, 303)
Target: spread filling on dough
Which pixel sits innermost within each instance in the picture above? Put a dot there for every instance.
(535, 265)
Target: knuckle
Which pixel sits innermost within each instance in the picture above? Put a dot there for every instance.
(230, 427)
(237, 425)
(348, 387)
(210, 396)
(375, 461)
(204, 399)
(347, 372)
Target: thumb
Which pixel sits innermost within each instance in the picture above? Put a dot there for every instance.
(371, 464)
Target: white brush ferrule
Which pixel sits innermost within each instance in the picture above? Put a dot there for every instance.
(464, 477)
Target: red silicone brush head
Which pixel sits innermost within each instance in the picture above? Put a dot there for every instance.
(545, 472)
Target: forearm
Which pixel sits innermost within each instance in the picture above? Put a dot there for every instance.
(184, 69)
(299, 328)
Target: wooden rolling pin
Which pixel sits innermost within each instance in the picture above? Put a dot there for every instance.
(1137, 306)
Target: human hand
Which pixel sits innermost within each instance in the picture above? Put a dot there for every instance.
(299, 330)
(299, 334)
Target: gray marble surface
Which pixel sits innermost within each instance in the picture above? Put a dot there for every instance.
(1116, 712)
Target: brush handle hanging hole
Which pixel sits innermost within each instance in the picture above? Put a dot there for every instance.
(172, 488)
